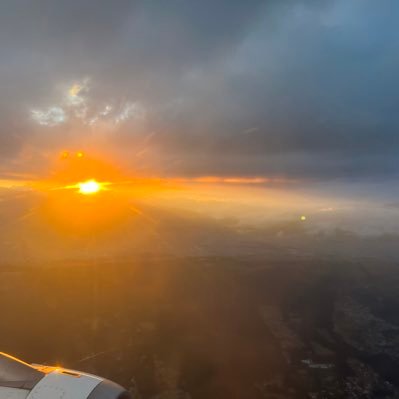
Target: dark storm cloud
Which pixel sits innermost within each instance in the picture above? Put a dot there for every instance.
(296, 88)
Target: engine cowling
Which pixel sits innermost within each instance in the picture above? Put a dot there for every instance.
(20, 380)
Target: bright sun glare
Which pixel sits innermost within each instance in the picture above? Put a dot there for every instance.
(89, 187)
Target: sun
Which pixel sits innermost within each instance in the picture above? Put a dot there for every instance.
(89, 187)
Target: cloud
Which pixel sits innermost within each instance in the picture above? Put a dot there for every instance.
(254, 88)
(77, 106)
(51, 116)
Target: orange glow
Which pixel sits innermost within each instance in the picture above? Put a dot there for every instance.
(85, 208)
(90, 187)
(83, 193)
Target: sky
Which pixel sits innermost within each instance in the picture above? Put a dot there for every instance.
(276, 89)
(252, 120)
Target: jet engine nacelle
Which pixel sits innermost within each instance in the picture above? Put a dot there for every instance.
(19, 380)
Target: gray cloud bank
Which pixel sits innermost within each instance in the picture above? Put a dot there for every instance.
(289, 88)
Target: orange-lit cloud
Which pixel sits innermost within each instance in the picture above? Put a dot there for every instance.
(232, 180)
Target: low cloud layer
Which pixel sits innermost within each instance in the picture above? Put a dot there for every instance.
(298, 89)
